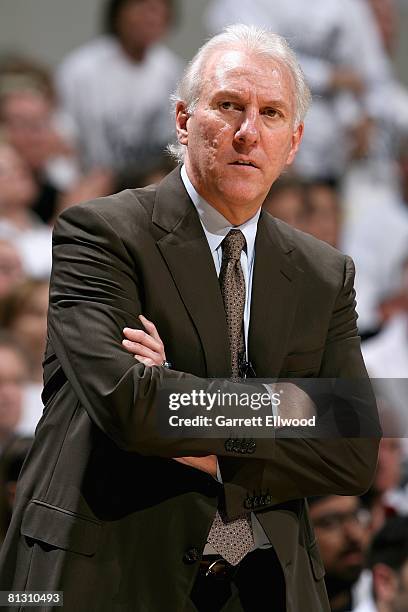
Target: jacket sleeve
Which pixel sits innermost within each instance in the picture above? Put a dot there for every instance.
(331, 463)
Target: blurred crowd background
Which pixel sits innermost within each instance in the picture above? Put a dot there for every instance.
(96, 119)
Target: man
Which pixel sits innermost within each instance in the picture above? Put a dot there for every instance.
(104, 512)
(340, 526)
(116, 87)
(388, 560)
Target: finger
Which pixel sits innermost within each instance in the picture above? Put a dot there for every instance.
(151, 328)
(140, 336)
(145, 360)
(139, 349)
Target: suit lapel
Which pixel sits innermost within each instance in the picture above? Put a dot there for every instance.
(274, 298)
(186, 252)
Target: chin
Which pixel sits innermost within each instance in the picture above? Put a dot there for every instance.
(241, 192)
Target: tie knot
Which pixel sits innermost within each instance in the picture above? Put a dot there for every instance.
(233, 244)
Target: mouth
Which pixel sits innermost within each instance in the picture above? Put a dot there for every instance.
(354, 557)
(244, 162)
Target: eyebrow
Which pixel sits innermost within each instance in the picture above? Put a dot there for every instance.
(231, 93)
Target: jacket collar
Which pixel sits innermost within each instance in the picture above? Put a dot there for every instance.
(274, 290)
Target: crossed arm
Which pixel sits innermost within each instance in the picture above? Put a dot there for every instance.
(148, 348)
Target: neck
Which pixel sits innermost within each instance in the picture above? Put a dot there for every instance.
(135, 54)
(234, 216)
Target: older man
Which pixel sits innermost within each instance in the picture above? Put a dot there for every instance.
(104, 512)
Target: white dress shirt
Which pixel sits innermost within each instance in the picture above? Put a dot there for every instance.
(216, 227)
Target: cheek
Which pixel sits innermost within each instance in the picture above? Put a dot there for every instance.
(281, 140)
(328, 546)
(214, 134)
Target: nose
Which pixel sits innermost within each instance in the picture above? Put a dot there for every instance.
(247, 134)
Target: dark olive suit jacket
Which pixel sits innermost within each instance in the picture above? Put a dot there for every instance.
(103, 512)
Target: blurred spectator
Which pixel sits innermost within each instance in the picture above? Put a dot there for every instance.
(24, 313)
(380, 499)
(285, 200)
(340, 527)
(397, 304)
(11, 463)
(18, 223)
(388, 560)
(13, 375)
(132, 178)
(374, 177)
(95, 184)
(376, 237)
(11, 267)
(117, 87)
(342, 56)
(321, 213)
(386, 355)
(310, 206)
(36, 129)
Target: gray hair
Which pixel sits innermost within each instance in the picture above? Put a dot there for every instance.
(251, 38)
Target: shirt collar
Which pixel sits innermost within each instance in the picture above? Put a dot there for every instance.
(215, 225)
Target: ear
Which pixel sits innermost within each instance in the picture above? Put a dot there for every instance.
(182, 117)
(296, 140)
(385, 583)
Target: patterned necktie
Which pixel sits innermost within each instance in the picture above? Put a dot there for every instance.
(233, 539)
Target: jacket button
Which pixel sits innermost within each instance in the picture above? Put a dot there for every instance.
(191, 556)
(249, 503)
(251, 447)
(229, 445)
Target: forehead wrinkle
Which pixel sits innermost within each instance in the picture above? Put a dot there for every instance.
(238, 69)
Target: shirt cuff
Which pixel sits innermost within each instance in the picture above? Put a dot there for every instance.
(269, 389)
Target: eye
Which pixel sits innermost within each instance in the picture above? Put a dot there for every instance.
(273, 113)
(227, 105)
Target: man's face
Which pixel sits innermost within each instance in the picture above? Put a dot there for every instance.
(27, 122)
(286, 205)
(13, 373)
(400, 601)
(17, 187)
(141, 23)
(241, 134)
(323, 220)
(340, 536)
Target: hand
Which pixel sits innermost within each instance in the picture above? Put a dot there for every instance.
(347, 79)
(361, 136)
(205, 464)
(295, 403)
(146, 346)
(97, 183)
